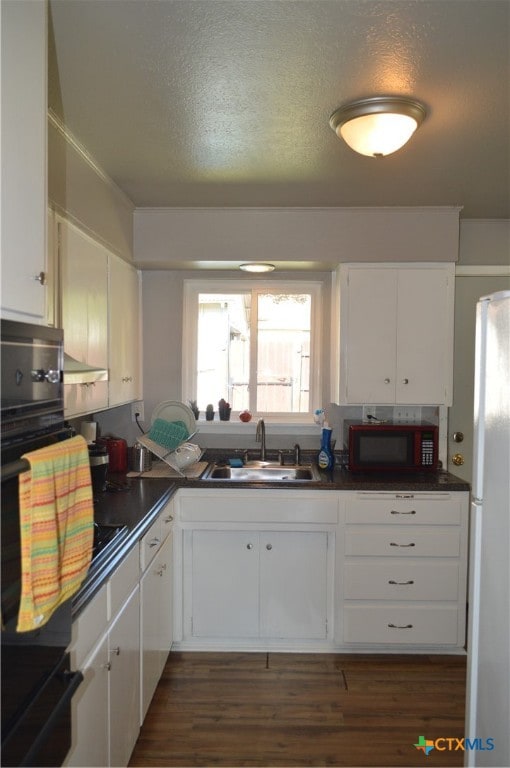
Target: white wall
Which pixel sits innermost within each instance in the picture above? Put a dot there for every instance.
(164, 237)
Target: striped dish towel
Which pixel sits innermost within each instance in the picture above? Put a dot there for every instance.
(57, 528)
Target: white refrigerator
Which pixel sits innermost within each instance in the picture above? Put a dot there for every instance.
(488, 670)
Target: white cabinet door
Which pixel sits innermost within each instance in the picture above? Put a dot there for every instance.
(84, 276)
(24, 159)
(249, 584)
(424, 336)
(396, 334)
(156, 621)
(293, 584)
(89, 707)
(225, 584)
(124, 652)
(124, 332)
(369, 343)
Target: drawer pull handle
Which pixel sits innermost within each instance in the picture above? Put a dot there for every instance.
(269, 546)
(394, 544)
(400, 626)
(391, 581)
(249, 546)
(153, 543)
(397, 512)
(115, 651)
(168, 519)
(107, 666)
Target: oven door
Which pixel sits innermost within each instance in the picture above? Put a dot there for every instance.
(37, 684)
(38, 731)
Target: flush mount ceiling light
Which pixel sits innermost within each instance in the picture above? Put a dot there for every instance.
(256, 267)
(377, 126)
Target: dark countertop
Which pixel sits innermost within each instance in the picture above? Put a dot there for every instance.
(136, 508)
(141, 501)
(343, 480)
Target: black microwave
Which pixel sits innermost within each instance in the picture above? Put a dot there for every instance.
(390, 447)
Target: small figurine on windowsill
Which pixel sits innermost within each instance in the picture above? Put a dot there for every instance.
(224, 410)
(194, 407)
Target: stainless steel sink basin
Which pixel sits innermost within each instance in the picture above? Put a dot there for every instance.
(263, 472)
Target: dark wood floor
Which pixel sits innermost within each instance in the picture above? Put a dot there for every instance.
(257, 709)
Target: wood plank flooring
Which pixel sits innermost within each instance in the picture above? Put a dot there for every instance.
(257, 709)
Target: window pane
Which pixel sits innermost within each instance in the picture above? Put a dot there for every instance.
(283, 355)
(223, 359)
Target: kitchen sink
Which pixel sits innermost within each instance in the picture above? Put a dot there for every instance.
(263, 472)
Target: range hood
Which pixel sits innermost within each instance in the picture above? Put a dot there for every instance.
(82, 373)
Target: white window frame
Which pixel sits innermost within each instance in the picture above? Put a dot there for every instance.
(192, 289)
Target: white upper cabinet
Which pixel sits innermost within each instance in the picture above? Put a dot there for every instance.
(84, 285)
(124, 332)
(24, 159)
(395, 343)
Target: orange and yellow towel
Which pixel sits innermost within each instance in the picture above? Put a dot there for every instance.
(57, 528)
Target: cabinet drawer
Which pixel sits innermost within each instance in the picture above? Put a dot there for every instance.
(150, 544)
(402, 541)
(401, 580)
(123, 581)
(405, 511)
(401, 624)
(167, 519)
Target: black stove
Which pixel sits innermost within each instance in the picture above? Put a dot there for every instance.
(105, 537)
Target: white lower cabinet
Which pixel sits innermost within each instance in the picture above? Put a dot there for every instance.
(155, 621)
(255, 569)
(404, 569)
(267, 584)
(106, 648)
(124, 654)
(90, 711)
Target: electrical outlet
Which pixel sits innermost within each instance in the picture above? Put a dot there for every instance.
(137, 410)
(369, 410)
(407, 414)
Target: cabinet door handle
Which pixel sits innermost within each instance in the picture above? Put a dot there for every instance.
(40, 278)
(387, 381)
(394, 544)
(391, 581)
(269, 546)
(249, 546)
(115, 651)
(107, 666)
(168, 519)
(405, 381)
(400, 626)
(153, 543)
(396, 512)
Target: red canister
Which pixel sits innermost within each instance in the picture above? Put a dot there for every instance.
(117, 453)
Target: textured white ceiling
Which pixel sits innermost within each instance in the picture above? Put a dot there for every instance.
(227, 102)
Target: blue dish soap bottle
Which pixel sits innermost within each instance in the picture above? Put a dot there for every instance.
(326, 458)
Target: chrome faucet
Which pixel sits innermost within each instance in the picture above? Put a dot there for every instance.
(297, 454)
(260, 437)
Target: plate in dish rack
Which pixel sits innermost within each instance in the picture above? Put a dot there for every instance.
(173, 410)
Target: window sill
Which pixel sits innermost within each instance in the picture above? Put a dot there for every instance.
(236, 427)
